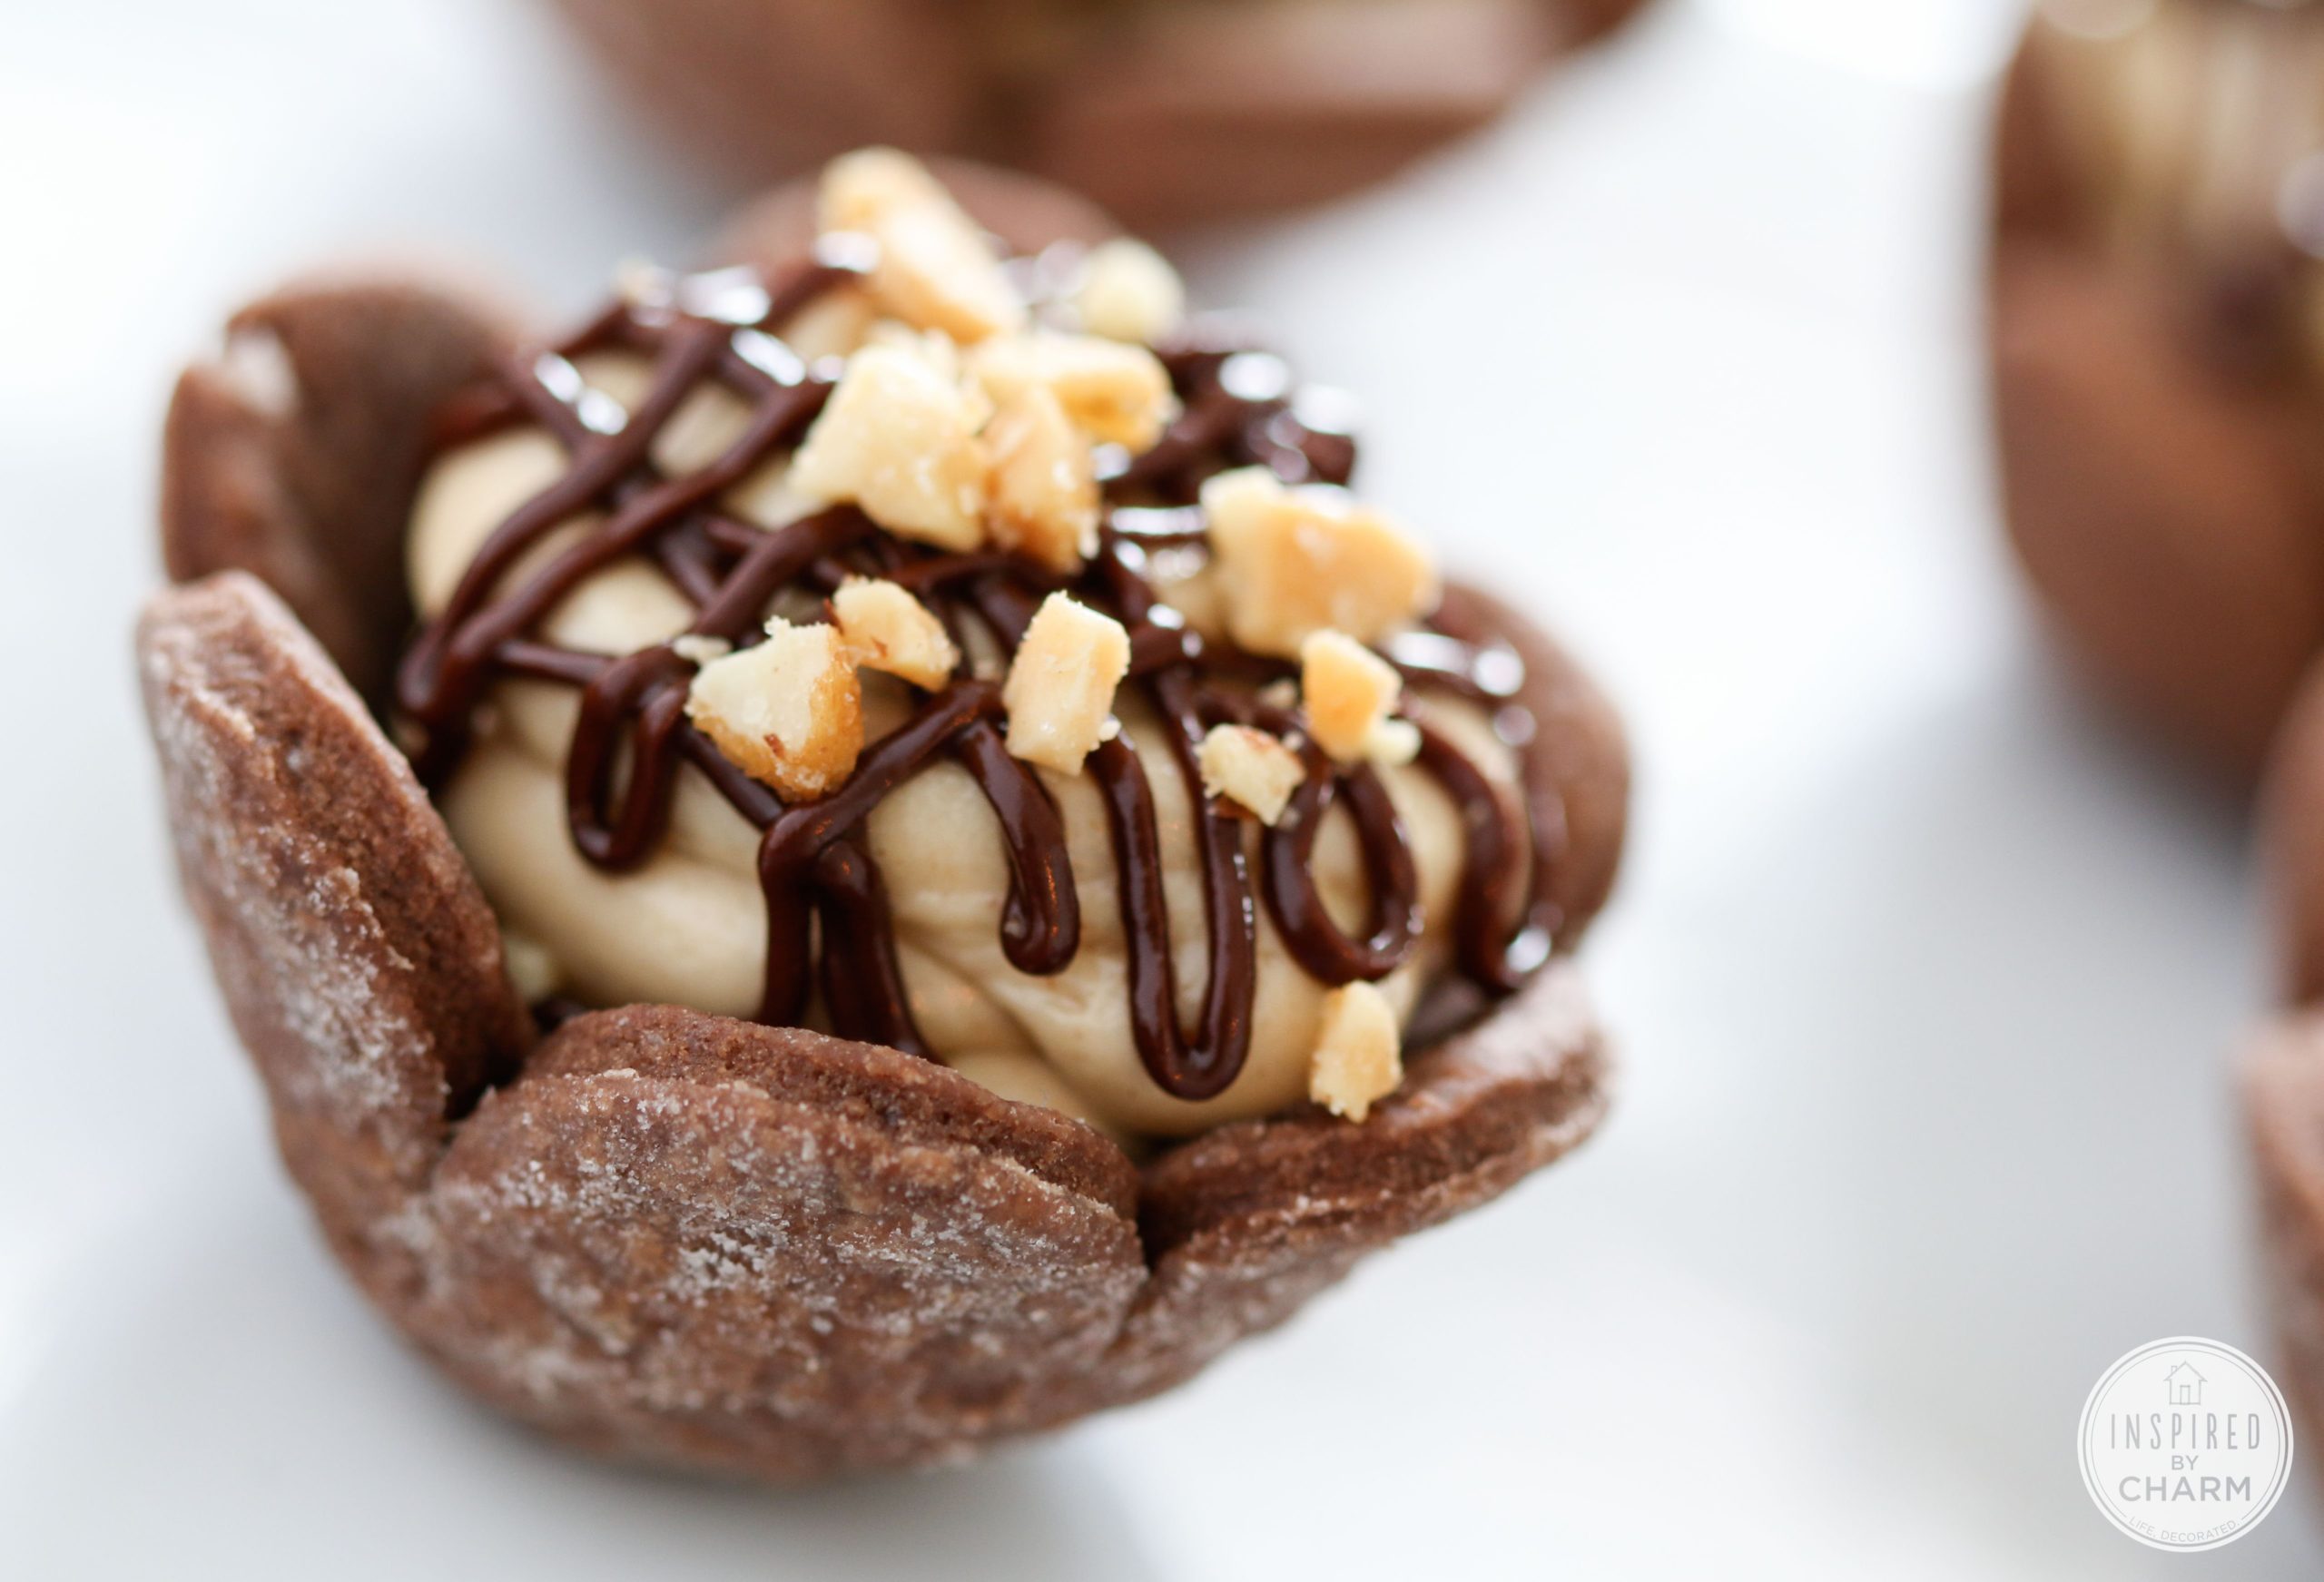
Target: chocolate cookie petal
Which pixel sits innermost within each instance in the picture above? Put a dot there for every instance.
(767, 1251)
(294, 453)
(357, 958)
(916, 1100)
(1245, 1222)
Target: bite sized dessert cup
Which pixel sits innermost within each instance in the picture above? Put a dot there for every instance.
(1165, 111)
(2157, 330)
(728, 1243)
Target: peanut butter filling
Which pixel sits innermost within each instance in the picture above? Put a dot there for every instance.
(969, 654)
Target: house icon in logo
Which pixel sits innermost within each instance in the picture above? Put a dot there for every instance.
(2184, 1384)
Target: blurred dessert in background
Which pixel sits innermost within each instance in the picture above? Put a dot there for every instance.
(2158, 352)
(1163, 111)
(2157, 339)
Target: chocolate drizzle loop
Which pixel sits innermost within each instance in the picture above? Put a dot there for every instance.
(1203, 1069)
(650, 684)
(1314, 941)
(831, 930)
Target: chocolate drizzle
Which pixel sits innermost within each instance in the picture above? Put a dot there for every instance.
(829, 924)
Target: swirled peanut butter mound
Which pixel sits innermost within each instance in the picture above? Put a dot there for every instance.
(969, 654)
(2158, 351)
(686, 695)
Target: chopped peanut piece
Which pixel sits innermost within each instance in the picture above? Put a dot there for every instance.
(858, 190)
(936, 268)
(1359, 1051)
(885, 628)
(1350, 691)
(899, 438)
(1128, 291)
(1059, 693)
(1114, 392)
(933, 347)
(789, 712)
(1250, 767)
(938, 351)
(1044, 482)
(1294, 562)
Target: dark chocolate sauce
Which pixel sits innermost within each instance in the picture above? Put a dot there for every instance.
(829, 925)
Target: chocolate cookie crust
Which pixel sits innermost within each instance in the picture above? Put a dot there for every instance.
(691, 1240)
(294, 453)
(708, 1242)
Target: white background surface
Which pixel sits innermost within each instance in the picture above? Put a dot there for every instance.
(1926, 981)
